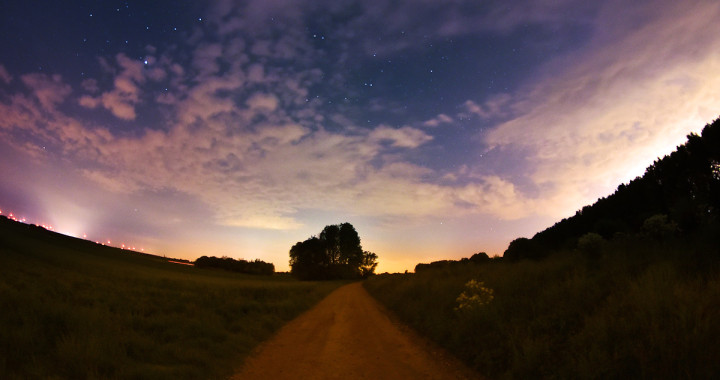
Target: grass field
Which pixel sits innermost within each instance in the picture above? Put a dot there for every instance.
(644, 311)
(74, 310)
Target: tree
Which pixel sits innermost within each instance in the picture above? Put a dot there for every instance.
(479, 257)
(330, 235)
(308, 259)
(658, 227)
(241, 266)
(351, 252)
(521, 248)
(591, 244)
(368, 265)
(335, 253)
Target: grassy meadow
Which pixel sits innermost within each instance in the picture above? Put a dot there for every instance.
(74, 310)
(635, 310)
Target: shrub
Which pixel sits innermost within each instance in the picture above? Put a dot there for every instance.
(475, 295)
(591, 244)
(659, 227)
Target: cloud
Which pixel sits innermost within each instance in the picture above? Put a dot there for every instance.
(48, 90)
(247, 135)
(125, 95)
(495, 107)
(258, 173)
(4, 75)
(266, 102)
(437, 120)
(365, 29)
(598, 117)
(404, 137)
(205, 59)
(90, 85)
(204, 100)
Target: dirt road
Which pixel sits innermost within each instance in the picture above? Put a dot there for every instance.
(348, 335)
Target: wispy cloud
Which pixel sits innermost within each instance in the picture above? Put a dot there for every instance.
(4, 75)
(600, 116)
(125, 95)
(48, 90)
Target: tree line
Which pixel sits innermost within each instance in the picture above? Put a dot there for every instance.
(241, 266)
(336, 253)
(679, 195)
(478, 258)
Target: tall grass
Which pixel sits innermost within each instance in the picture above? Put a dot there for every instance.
(644, 313)
(101, 313)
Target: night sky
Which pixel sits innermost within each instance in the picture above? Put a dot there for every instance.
(437, 128)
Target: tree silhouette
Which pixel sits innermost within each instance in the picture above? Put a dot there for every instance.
(241, 266)
(336, 253)
(679, 193)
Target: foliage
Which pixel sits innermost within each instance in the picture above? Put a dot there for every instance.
(683, 186)
(335, 254)
(476, 258)
(591, 243)
(475, 295)
(71, 309)
(642, 309)
(521, 248)
(241, 266)
(659, 227)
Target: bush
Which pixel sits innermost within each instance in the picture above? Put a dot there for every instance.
(240, 266)
(659, 227)
(591, 244)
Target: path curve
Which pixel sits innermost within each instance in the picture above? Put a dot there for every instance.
(348, 335)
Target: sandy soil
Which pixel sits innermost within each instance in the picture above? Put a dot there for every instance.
(348, 335)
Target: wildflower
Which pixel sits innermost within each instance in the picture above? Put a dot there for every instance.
(476, 294)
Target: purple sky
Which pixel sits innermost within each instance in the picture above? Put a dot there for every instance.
(437, 128)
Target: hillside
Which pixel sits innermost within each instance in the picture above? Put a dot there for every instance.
(27, 236)
(73, 309)
(681, 190)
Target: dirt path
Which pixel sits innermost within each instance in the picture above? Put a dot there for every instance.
(348, 335)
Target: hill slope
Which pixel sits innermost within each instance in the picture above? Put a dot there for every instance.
(71, 309)
(683, 186)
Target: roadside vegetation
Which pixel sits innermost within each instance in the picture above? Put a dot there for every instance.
(70, 309)
(628, 287)
(638, 311)
(240, 266)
